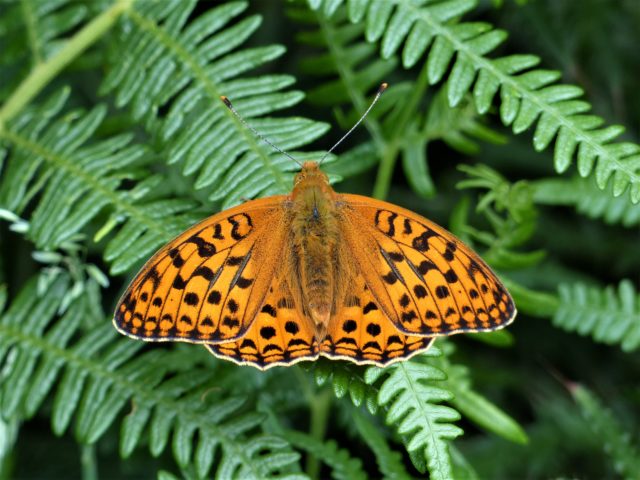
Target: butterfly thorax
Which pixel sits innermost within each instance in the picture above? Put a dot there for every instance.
(316, 240)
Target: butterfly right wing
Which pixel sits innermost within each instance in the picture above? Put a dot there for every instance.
(426, 281)
(207, 285)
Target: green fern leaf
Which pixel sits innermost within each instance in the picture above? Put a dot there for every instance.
(182, 68)
(587, 199)
(412, 402)
(343, 465)
(389, 461)
(31, 33)
(53, 161)
(99, 375)
(608, 315)
(526, 95)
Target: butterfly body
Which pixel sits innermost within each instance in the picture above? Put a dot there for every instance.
(315, 266)
(291, 277)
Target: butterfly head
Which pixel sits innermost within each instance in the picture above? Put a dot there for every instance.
(311, 178)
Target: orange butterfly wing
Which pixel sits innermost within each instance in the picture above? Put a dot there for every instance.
(280, 334)
(361, 333)
(424, 279)
(209, 283)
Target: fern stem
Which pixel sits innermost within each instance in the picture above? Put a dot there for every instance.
(88, 461)
(385, 171)
(43, 73)
(388, 161)
(319, 405)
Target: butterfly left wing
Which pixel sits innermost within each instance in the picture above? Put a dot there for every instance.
(425, 281)
(360, 332)
(207, 285)
(280, 334)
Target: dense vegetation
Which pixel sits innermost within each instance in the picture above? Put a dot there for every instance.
(113, 139)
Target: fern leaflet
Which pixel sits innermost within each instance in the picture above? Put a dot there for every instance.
(412, 400)
(625, 458)
(587, 199)
(609, 316)
(171, 74)
(97, 374)
(528, 96)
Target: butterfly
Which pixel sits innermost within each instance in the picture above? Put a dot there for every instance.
(288, 278)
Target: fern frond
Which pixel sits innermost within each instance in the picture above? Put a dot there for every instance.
(528, 97)
(587, 199)
(389, 461)
(473, 405)
(412, 397)
(167, 63)
(608, 315)
(54, 162)
(97, 374)
(349, 68)
(343, 465)
(346, 379)
(624, 457)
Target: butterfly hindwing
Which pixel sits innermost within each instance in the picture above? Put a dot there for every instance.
(280, 335)
(360, 332)
(423, 278)
(207, 285)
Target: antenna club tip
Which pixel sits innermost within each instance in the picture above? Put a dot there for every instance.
(383, 87)
(225, 100)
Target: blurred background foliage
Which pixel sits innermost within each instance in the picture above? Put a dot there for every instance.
(112, 140)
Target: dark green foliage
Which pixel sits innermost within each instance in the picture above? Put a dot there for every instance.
(607, 315)
(113, 139)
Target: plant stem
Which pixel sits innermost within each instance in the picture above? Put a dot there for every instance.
(43, 73)
(319, 405)
(88, 460)
(390, 153)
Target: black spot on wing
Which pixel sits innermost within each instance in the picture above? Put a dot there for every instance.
(421, 242)
(267, 332)
(179, 283)
(369, 307)
(349, 326)
(442, 291)
(394, 274)
(205, 249)
(191, 298)
(152, 275)
(204, 272)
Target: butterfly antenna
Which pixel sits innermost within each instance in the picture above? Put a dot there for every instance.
(227, 102)
(381, 90)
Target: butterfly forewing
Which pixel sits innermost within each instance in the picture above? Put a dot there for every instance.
(208, 284)
(425, 280)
